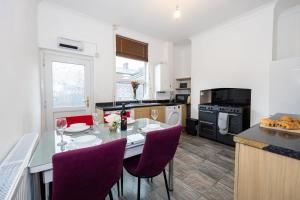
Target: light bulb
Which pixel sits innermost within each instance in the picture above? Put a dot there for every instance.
(177, 13)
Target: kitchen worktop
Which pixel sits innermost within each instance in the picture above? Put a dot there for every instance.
(108, 106)
(275, 141)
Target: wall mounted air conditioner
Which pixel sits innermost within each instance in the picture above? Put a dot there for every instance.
(69, 44)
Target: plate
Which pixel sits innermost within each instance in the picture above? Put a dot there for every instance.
(135, 139)
(151, 127)
(281, 129)
(86, 141)
(130, 121)
(74, 128)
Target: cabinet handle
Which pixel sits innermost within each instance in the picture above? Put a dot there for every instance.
(230, 134)
(206, 111)
(205, 122)
(87, 101)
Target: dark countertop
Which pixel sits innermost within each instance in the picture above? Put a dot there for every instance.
(275, 141)
(108, 106)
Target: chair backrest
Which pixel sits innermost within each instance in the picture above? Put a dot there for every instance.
(87, 173)
(159, 149)
(88, 119)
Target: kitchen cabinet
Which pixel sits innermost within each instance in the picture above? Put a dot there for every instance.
(263, 175)
(161, 113)
(143, 112)
(183, 114)
(140, 112)
(100, 115)
(162, 80)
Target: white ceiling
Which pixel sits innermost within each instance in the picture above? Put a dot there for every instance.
(155, 17)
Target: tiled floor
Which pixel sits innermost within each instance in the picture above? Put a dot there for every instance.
(203, 170)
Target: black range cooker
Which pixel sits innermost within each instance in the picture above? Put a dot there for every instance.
(238, 112)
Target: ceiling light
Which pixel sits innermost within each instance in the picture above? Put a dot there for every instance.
(177, 13)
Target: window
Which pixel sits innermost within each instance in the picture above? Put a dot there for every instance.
(128, 70)
(68, 85)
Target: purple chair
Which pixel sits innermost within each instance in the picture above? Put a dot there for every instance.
(159, 149)
(88, 173)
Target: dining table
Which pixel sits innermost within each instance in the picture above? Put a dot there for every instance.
(40, 166)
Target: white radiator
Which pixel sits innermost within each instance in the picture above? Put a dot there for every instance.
(14, 174)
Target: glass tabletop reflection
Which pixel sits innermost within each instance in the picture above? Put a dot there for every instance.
(47, 145)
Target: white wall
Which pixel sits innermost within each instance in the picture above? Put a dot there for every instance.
(236, 54)
(56, 21)
(288, 33)
(19, 72)
(285, 86)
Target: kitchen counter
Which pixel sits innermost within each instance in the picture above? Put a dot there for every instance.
(279, 142)
(267, 164)
(134, 104)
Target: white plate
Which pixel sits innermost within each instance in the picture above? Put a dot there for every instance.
(151, 127)
(76, 125)
(74, 128)
(135, 139)
(130, 121)
(86, 141)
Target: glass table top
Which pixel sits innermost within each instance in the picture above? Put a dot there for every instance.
(47, 145)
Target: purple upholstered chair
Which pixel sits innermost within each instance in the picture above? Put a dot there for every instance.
(159, 149)
(88, 173)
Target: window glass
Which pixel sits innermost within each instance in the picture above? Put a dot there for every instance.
(68, 85)
(128, 70)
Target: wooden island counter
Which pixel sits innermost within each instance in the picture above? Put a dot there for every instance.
(267, 164)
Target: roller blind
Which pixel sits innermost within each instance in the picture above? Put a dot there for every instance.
(130, 48)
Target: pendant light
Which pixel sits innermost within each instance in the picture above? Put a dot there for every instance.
(177, 13)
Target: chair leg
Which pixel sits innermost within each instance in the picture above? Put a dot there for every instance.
(150, 180)
(118, 184)
(110, 195)
(122, 183)
(139, 188)
(166, 183)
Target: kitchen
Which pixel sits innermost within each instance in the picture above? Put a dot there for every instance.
(215, 75)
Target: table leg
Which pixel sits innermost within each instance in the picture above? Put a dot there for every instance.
(47, 191)
(171, 183)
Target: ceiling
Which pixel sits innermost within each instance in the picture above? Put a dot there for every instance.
(155, 17)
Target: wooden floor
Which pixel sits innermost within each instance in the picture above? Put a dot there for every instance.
(203, 170)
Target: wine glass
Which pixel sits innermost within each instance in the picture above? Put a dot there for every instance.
(154, 114)
(95, 122)
(61, 125)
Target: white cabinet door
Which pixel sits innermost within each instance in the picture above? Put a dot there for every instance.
(162, 78)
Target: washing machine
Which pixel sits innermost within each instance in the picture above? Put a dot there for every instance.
(173, 115)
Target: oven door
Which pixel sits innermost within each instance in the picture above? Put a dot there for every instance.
(181, 98)
(207, 126)
(235, 127)
(207, 129)
(208, 116)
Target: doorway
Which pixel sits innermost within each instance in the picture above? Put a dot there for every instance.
(67, 86)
